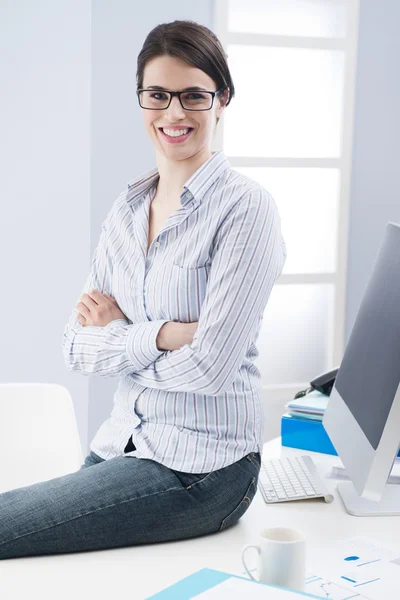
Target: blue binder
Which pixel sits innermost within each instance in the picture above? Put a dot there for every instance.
(306, 434)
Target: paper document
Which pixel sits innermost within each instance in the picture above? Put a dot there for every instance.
(329, 591)
(361, 565)
(322, 588)
(237, 589)
(210, 584)
(314, 402)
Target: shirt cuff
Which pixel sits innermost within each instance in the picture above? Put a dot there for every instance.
(141, 346)
(125, 321)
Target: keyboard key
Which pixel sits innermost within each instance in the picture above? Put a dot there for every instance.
(281, 495)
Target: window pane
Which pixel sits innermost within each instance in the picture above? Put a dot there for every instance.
(295, 335)
(313, 18)
(308, 201)
(288, 102)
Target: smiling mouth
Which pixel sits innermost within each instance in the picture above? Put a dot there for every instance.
(177, 138)
(175, 128)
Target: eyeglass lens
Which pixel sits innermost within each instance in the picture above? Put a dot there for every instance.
(190, 100)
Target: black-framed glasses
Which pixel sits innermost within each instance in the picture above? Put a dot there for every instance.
(190, 100)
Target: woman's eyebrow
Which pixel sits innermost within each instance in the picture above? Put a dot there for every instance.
(193, 88)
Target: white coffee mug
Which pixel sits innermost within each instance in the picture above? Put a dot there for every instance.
(282, 557)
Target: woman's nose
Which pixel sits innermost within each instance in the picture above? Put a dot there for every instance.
(175, 108)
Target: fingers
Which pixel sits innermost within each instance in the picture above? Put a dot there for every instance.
(110, 297)
(81, 319)
(88, 300)
(95, 296)
(83, 309)
(95, 309)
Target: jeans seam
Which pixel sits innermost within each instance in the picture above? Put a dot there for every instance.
(199, 481)
(255, 461)
(208, 474)
(183, 489)
(246, 500)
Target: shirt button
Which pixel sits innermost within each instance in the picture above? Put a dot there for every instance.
(188, 195)
(157, 244)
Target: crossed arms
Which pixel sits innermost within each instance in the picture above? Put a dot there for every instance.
(248, 256)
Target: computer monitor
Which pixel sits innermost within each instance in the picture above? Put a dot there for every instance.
(362, 418)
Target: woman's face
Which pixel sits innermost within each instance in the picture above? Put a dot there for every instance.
(174, 74)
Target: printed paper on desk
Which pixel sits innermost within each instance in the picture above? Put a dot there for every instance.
(362, 565)
(329, 591)
(321, 588)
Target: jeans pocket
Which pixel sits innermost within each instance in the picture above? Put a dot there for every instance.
(255, 458)
(241, 508)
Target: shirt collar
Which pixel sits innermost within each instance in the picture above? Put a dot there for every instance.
(193, 189)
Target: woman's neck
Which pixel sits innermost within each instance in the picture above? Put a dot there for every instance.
(174, 174)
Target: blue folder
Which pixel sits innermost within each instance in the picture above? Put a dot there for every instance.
(203, 580)
(306, 434)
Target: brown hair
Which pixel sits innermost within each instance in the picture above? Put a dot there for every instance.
(191, 42)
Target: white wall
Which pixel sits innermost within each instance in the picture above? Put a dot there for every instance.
(44, 186)
(375, 184)
(71, 138)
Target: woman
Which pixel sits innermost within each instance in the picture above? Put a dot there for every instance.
(183, 270)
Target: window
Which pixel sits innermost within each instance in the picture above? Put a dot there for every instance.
(289, 127)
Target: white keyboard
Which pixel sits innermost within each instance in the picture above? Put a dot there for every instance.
(296, 478)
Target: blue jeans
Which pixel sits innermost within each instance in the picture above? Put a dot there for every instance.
(123, 501)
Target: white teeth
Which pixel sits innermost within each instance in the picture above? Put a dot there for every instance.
(175, 132)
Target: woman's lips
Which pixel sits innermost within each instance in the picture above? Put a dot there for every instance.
(175, 140)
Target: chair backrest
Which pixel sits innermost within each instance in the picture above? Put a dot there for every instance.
(39, 437)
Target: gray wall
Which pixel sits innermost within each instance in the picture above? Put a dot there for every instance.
(375, 184)
(44, 186)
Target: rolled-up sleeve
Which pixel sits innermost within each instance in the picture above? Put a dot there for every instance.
(248, 256)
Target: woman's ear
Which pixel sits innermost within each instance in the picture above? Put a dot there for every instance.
(224, 97)
(222, 101)
(227, 94)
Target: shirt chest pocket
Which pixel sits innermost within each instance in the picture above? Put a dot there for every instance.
(185, 291)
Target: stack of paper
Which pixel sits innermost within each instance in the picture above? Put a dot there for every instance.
(311, 406)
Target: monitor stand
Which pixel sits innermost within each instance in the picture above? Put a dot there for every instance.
(389, 505)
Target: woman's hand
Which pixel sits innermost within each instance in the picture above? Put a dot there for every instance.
(173, 335)
(97, 309)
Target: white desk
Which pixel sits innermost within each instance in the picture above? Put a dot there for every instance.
(140, 571)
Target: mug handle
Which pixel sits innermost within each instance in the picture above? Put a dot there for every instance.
(243, 561)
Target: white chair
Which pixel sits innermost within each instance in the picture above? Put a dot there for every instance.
(39, 437)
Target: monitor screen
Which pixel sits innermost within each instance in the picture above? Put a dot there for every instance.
(369, 375)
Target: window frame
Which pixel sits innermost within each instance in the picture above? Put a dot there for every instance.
(343, 163)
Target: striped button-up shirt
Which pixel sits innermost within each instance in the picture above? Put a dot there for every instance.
(215, 261)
